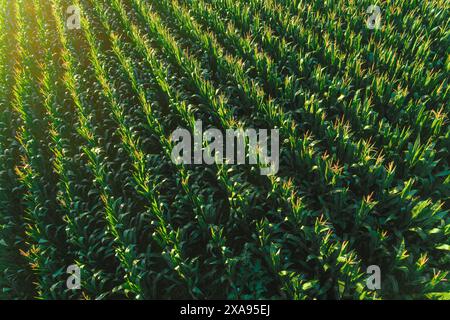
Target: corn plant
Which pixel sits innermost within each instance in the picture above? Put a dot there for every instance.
(88, 181)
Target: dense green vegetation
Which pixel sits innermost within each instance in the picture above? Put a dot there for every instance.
(86, 176)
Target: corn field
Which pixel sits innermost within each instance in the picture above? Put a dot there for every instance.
(92, 90)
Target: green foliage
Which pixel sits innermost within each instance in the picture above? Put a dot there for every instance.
(86, 176)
